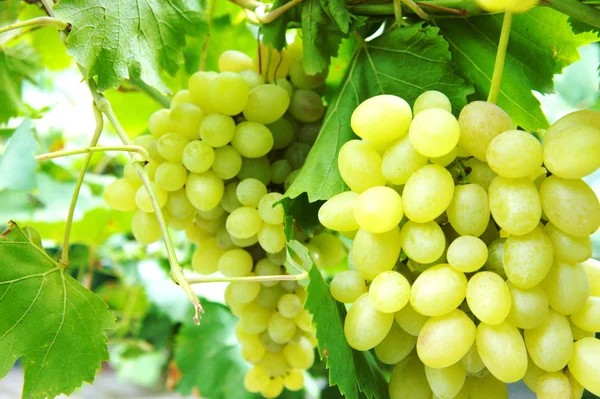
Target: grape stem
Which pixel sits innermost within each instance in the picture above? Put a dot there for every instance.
(398, 11)
(417, 10)
(500, 57)
(89, 150)
(249, 279)
(39, 21)
(260, 9)
(204, 54)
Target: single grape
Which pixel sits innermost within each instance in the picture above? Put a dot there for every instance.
(378, 209)
(299, 355)
(337, 213)
(252, 78)
(170, 146)
(446, 382)
(515, 204)
(434, 132)
(268, 211)
(438, 290)
(514, 154)
(360, 165)
(376, 253)
(306, 106)
(410, 320)
(244, 222)
(568, 247)
(217, 130)
(381, 119)
(419, 204)
(250, 191)
(396, 345)
(584, 364)
(266, 104)
(205, 259)
(365, 327)
(281, 329)
(592, 270)
(567, 287)
(227, 163)
(479, 173)
(488, 298)
(572, 152)
(252, 140)
(178, 204)
(283, 131)
(159, 123)
(145, 227)
(553, 385)
(204, 190)
(432, 99)
(422, 242)
(228, 93)
(472, 362)
(551, 343)
(408, 380)
(389, 291)
(293, 381)
(271, 237)
(254, 319)
(234, 61)
(296, 154)
(347, 286)
(527, 258)
(302, 80)
(309, 132)
(185, 119)
(400, 161)
(170, 176)
(529, 308)
(467, 254)
(142, 199)
(289, 305)
(256, 379)
(588, 316)
(331, 249)
(280, 170)
(121, 195)
(199, 86)
(235, 263)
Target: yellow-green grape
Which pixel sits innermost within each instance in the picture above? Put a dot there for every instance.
(274, 388)
(585, 363)
(592, 270)
(266, 104)
(434, 132)
(296, 154)
(206, 256)
(304, 81)
(514, 154)
(217, 130)
(131, 175)
(142, 199)
(235, 263)
(588, 316)
(254, 319)
(159, 123)
(252, 349)
(529, 306)
(469, 211)
(396, 345)
(381, 119)
(445, 160)
(585, 117)
(265, 267)
(502, 350)
(281, 329)
(572, 152)
(487, 387)
(495, 260)
(285, 85)
(567, 246)
(576, 387)
(551, 343)
(418, 199)
(491, 233)
(252, 140)
(144, 140)
(365, 326)
(170, 176)
(480, 173)
(446, 382)
(331, 248)
(268, 296)
(224, 239)
(178, 204)
(244, 222)
(422, 242)
(553, 386)
(269, 211)
(347, 286)
(275, 363)
(234, 61)
(252, 78)
(250, 191)
(185, 119)
(289, 305)
(467, 254)
(178, 223)
(153, 149)
(145, 227)
(488, 298)
(527, 258)
(471, 361)
(227, 163)
(271, 237)
(533, 373)
(578, 333)
(199, 86)
(304, 320)
(571, 205)
(401, 160)
(256, 379)
(410, 320)
(306, 106)
(171, 145)
(438, 290)
(210, 225)
(378, 209)
(515, 204)
(294, 380)
(376, 253)
(567, 287)
(195, 235)
(150, 168)
(299, 355)
(280, 170)
(283, 131)
(444, 340)
(228, 93)
(389, 291)
(408, 380)
(432, 99)
(360, 165)
(204, 190)
(480, 122)
(338, 212)
(121, 195)
(198, 156)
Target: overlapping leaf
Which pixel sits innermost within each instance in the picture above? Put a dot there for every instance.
(17, 164)
(17, 64)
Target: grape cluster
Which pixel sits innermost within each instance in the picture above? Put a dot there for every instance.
(469, 265)
(219, 159)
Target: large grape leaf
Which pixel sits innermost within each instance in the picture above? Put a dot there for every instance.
(349, 369)
(49, 321)
(541, 44)
(114, 40)
(17, 164)
(404, 62)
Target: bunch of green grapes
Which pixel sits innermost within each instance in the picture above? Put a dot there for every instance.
(220, 159)
(469, 265)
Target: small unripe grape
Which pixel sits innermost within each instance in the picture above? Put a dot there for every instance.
(306, 106)
(378, 209)
(280, 170)
(283, 131)
(434, 132)
(381, 119)
(296, 154)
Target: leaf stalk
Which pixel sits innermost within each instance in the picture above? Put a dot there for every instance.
(39, 21)
(249, 279)
(89, 150)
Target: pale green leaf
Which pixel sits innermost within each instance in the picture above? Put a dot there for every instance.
(17, 164)
(17, 64)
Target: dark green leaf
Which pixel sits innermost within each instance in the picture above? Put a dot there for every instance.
(274, 32)
(16, 64)
(18, 165)
(156, 328)
(301, 214)
(316, 59)
(131, 301)
(339, 13)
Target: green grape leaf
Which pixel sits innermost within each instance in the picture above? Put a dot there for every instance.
(338, 13)
(17, 64)
(352, 371)
(300, 214)
(17, 164)
(208, 356)
(541, 44)
(116, 40)
(130, 301)
(49, 321)
(274, 32)
(405, 62)
(320, 38)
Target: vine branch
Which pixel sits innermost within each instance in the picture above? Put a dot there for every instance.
(39, 21)
(89, 150)
(500, 57)
(417, 10)
(249, 279)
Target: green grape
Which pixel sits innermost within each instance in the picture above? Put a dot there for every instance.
(274, 388)
(283, 131)
(490, 234)
(294, 380)
(145, 227)
(376, 253)
(347, 286)
(533, 373)
(258, 168)
(578, 333)
(234, 61)
(515, 204)
(553, 385)
(365, 327)
(299, 355)
(296, 153)
(268, 343)
(576, 387)
(210, 225)
(178, 223)
(432, 99)
(170, 176)
(434, 132)
(285, 85)
(446, 382)
(551, 343)
(252, 349)
(445, 160)
(235, 263)
(389, 292)
(275, 363)
(217, 130)
(268, 211)
(571, 205)
(572, 152)
(142, 199)
(199, 86)
(422, 242)
(271, 237)
(224, 239)
(130, 174)
(444, 340)
(469, 211)
(266, 104)
(195, 235)
(480, 122)
(584, 117)
(396, 345)
(410, 320)
(400, 161)
(268, 296)
(186, 119)
(514, 154)
(121, 195)
(252, 140)
(280, 170)
(381, 119)
(588, 316)
(302, 80)
(304, 320)
(228, 93)
(408, 380)
(204, 190)
(585, 365)
(467, 254)
(567, 287)
(438, 290)
(289, 305)
(309, 132)
(420, 205)
(150, 168)
(487, 387)
(378, 209)
(502, 350)
(227, 163)
(306, 106)
(171, 145)
(252, 78)
(471, 361)
(527, 258)
(256, 379)
(181, 97)
(592, 271)
(244, 222)
(144, 140)
(250, 191)
(205, 259)
(480, 173)
(198, 156)
(529, 306)
(568, 247)
(488, 298)
(159, 123)
(281, 329)
(254, 319)
(178, 204)
(330, 247)
(360, 165)
(338, 212)
(265, 267)
(153, 149)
